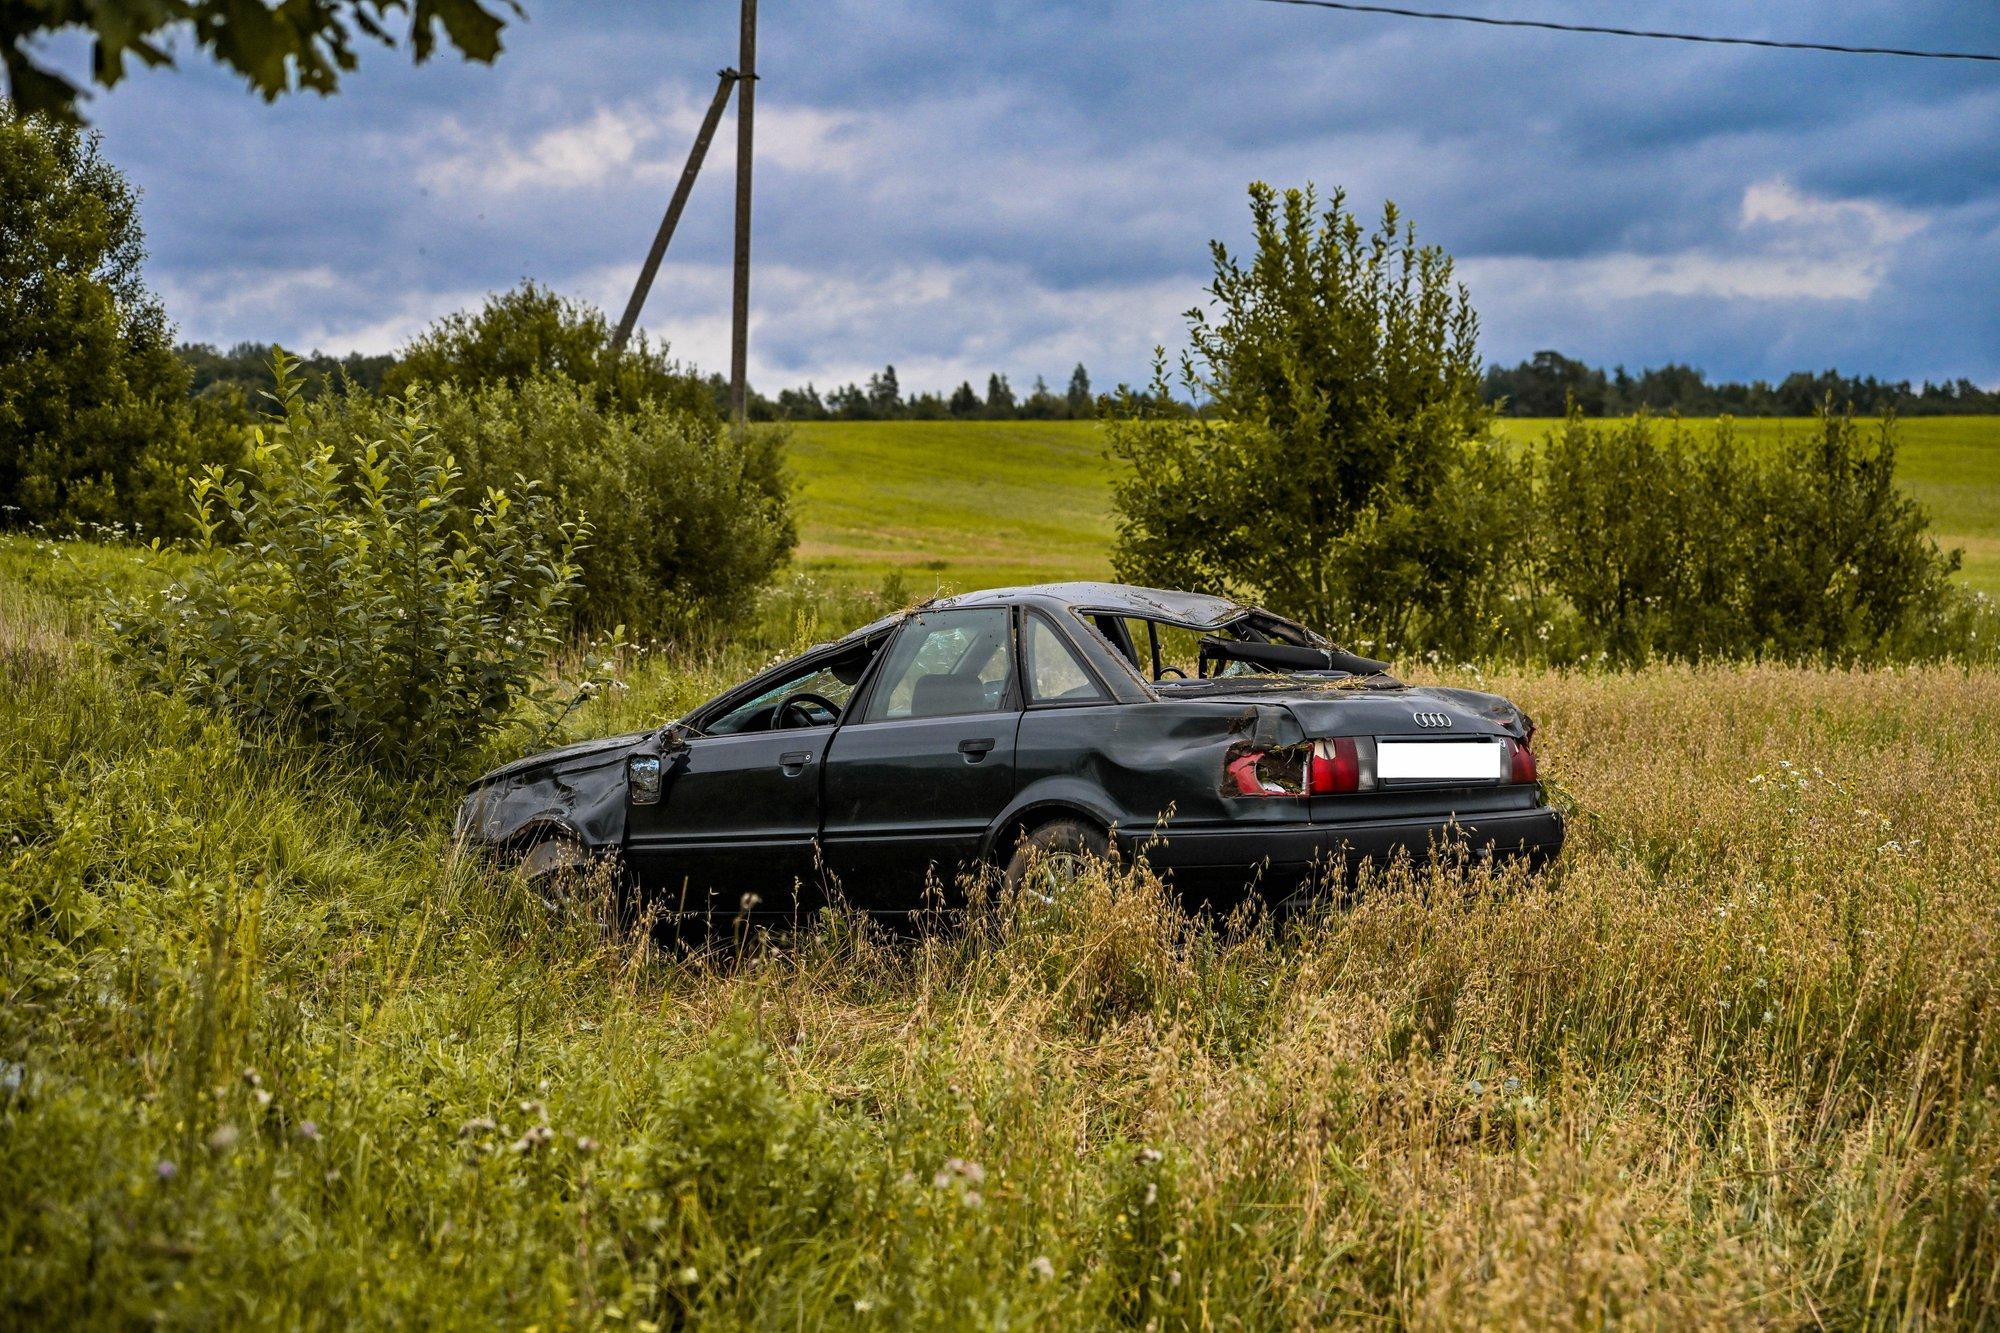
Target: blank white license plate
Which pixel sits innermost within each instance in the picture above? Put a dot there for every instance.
(1437, 761)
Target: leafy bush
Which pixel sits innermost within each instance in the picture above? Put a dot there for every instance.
(366, 602)
(1332, 475)
(1669, 542)
(688, 519)
(532, 331)
(1341, 470)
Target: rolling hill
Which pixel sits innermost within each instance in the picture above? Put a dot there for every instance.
(968, 504)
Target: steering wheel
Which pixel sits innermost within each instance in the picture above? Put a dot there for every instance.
(1166, 671)
(803, 702)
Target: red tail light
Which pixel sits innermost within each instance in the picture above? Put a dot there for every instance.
(1335, 767)
(1522, 765)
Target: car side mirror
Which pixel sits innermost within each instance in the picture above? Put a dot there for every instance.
(643, 779)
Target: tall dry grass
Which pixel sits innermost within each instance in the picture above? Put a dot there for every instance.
(274, 1055)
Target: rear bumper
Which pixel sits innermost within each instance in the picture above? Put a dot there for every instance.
(1283, 857)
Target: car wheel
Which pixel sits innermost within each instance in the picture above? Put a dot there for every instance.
(1050, 856)
(554, 855)
(557, 865)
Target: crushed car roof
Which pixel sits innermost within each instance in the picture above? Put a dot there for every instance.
(1193, 609)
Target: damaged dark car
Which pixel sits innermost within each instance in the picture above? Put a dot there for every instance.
(1233, 749)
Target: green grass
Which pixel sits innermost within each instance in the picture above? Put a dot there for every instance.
(953, 504)
(963, 505)
(273, 1054)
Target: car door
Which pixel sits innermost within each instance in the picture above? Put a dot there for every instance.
(737, 816)
(739, 806)
(914, 781)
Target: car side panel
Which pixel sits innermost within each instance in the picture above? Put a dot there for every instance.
(1152, 766)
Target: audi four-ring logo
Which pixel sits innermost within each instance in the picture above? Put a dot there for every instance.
(1432, 719)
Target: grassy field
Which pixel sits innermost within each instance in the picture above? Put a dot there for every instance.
(975, 504)
(273, 1054)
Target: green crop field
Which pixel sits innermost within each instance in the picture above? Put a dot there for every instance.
(958, 505)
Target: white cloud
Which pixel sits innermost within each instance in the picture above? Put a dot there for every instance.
(310, 309)
(1787, 246)
(645, 139)
(969, 319)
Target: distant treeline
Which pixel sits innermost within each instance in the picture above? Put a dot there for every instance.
(1541, 386)
(1544, 384)
(245, 370)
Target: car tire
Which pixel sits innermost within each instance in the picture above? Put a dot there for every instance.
(1058, 849)
(555, 865)
(554, 855)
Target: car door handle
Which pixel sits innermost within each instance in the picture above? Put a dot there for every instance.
(976, 749)
(794, 762)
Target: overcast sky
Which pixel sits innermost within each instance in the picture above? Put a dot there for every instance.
(958, 187)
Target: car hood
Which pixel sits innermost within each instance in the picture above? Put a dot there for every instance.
(1350, 707)
(567, 758)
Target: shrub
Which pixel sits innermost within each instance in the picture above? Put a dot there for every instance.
(1668, 542)
(357, 609)
(688, 519)
(532, 331)
(1332, 475)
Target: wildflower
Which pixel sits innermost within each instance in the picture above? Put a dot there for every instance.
(223, 1139)
(165, 1169)
(862, 1305)
(309, 1131)
(1474, 1086)
(263, 1096)
(251, 1079)
(958, 1169)
(1510, 1086)
(477, 1125)
(1041, 1269)
(585, 1144)
(1148, 1156)
(533, 1139)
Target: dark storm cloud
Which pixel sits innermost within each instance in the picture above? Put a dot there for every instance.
(962, 187)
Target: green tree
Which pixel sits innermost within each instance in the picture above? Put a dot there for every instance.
(94, 419)
(885, 395)
(965, 400)
(999, 396)
(1339, 472)
(1078, 395)
(531, 331)
(297, 44)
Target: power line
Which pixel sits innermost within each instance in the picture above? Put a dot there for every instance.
(1548, 26)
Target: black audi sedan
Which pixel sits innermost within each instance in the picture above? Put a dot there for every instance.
(1231, 748)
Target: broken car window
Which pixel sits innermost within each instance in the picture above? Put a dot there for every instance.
(813, 688)
(945, 663)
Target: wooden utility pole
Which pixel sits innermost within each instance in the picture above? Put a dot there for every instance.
(726, 80)
(739, 330)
